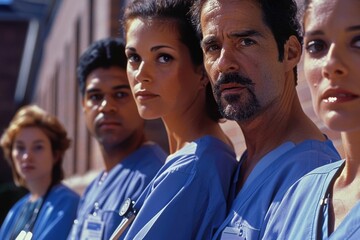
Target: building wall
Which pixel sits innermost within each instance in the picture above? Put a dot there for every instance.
(12, 37)
(77, 24)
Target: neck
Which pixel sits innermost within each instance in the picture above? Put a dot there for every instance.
(179, 134)
(114, 154)
(345, 190)
(190, 123)
(38, 189)
(351, 141)
(280, 123)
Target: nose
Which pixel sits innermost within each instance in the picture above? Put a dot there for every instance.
(25, 156)
(142, 73)
(333, 65)
(226, 62)
(107, 105)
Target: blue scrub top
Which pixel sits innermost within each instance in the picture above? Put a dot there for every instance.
(55, 217)
(303, 212)
(188, 198)
(267, 184)
(126, 180)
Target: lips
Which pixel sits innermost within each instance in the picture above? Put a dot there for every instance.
(103, 122)
(338, 96)
(27, 167)
(143, 95)
(230, 88)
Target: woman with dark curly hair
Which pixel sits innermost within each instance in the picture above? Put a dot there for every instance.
(188, 198)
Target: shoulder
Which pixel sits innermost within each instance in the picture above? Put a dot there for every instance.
(318, 149)
(316, 180)
(308, 155)
(325, 170)
(288, 163)
(149, 155)
(61, 192)
(152, 151)
(21, 201)
(205, 155)
(153, 148)
(211, 148)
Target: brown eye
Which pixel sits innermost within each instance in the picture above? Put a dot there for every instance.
(247, 42)
(95, 97)
(165, 58)
(356, 42)
(315, 46)
(133, 58)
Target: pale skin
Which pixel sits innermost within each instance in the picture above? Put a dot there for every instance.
(239, 41)
(33, 159)
(331, 65)
(166, 84)
(111, 114)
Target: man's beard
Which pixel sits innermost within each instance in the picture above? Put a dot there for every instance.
(239, 107)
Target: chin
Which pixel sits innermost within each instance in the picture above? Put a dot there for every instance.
(148, 114)
(344, 126)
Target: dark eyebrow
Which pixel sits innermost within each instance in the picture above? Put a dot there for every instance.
(239, 34)
(39, 141)
(319, 32)
(153, 49)
(123, 86)
(35, 141)
(246, 33)
(353, 28)
(313, 33)
(117, 87)
(207, 41)
(130, 49)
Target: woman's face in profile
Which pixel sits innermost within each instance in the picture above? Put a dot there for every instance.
(162, 77)
(32, 155)
(332, 61)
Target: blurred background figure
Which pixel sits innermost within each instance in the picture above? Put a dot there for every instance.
(34, 145)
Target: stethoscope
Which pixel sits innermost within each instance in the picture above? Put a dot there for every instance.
(128, 212)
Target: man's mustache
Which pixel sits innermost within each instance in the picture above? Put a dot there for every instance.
(232, 78)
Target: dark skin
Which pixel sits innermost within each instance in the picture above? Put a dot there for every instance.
(111, 115)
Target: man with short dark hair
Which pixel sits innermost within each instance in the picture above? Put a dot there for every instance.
(112, 118)
(251, 51)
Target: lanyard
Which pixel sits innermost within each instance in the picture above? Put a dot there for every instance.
(26, 232)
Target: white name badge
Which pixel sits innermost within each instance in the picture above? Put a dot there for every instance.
(93, 228)
(231, 233)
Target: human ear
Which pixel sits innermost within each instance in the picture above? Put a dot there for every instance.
(204, 79)
(56, 156)
(292, 53)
